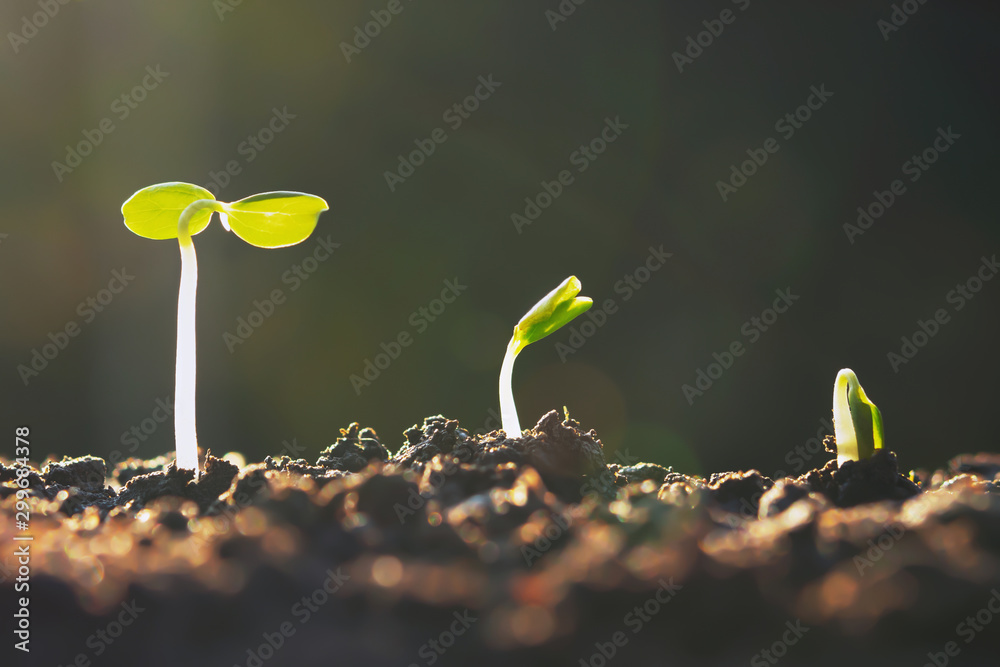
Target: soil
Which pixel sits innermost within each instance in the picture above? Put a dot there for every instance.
(487, 550)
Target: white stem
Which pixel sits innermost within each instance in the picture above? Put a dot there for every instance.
(185, 431)
(508, 411)
(843, 424)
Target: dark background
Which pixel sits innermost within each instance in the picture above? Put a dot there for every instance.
(656, 185)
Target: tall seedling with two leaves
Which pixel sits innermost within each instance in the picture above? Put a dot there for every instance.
(181, 210)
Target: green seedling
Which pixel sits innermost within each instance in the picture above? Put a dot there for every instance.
(557, 308)
(857, 423)
(181, 210)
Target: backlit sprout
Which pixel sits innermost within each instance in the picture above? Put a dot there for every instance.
(181, 210)
(857, 423)
(557, 308)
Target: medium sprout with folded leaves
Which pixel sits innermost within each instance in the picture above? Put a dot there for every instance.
(556, 309)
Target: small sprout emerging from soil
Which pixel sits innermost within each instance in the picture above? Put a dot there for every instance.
(181, 210)
(557, 308)
(857, 423)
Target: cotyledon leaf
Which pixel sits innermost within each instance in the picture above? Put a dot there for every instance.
(153, 212)
(553, 311)
(274, 219)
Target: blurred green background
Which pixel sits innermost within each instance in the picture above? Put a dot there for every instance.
(227, 66)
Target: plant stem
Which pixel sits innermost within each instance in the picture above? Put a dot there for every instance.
(508, 411)
(185, 431)
(843, 425)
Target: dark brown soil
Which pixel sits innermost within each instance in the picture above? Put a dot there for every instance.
(468, 550)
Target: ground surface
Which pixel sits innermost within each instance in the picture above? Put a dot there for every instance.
(466, 550)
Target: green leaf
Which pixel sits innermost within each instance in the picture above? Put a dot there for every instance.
(274, 219)
(557, 308)
(154, 212)
(867, 421)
